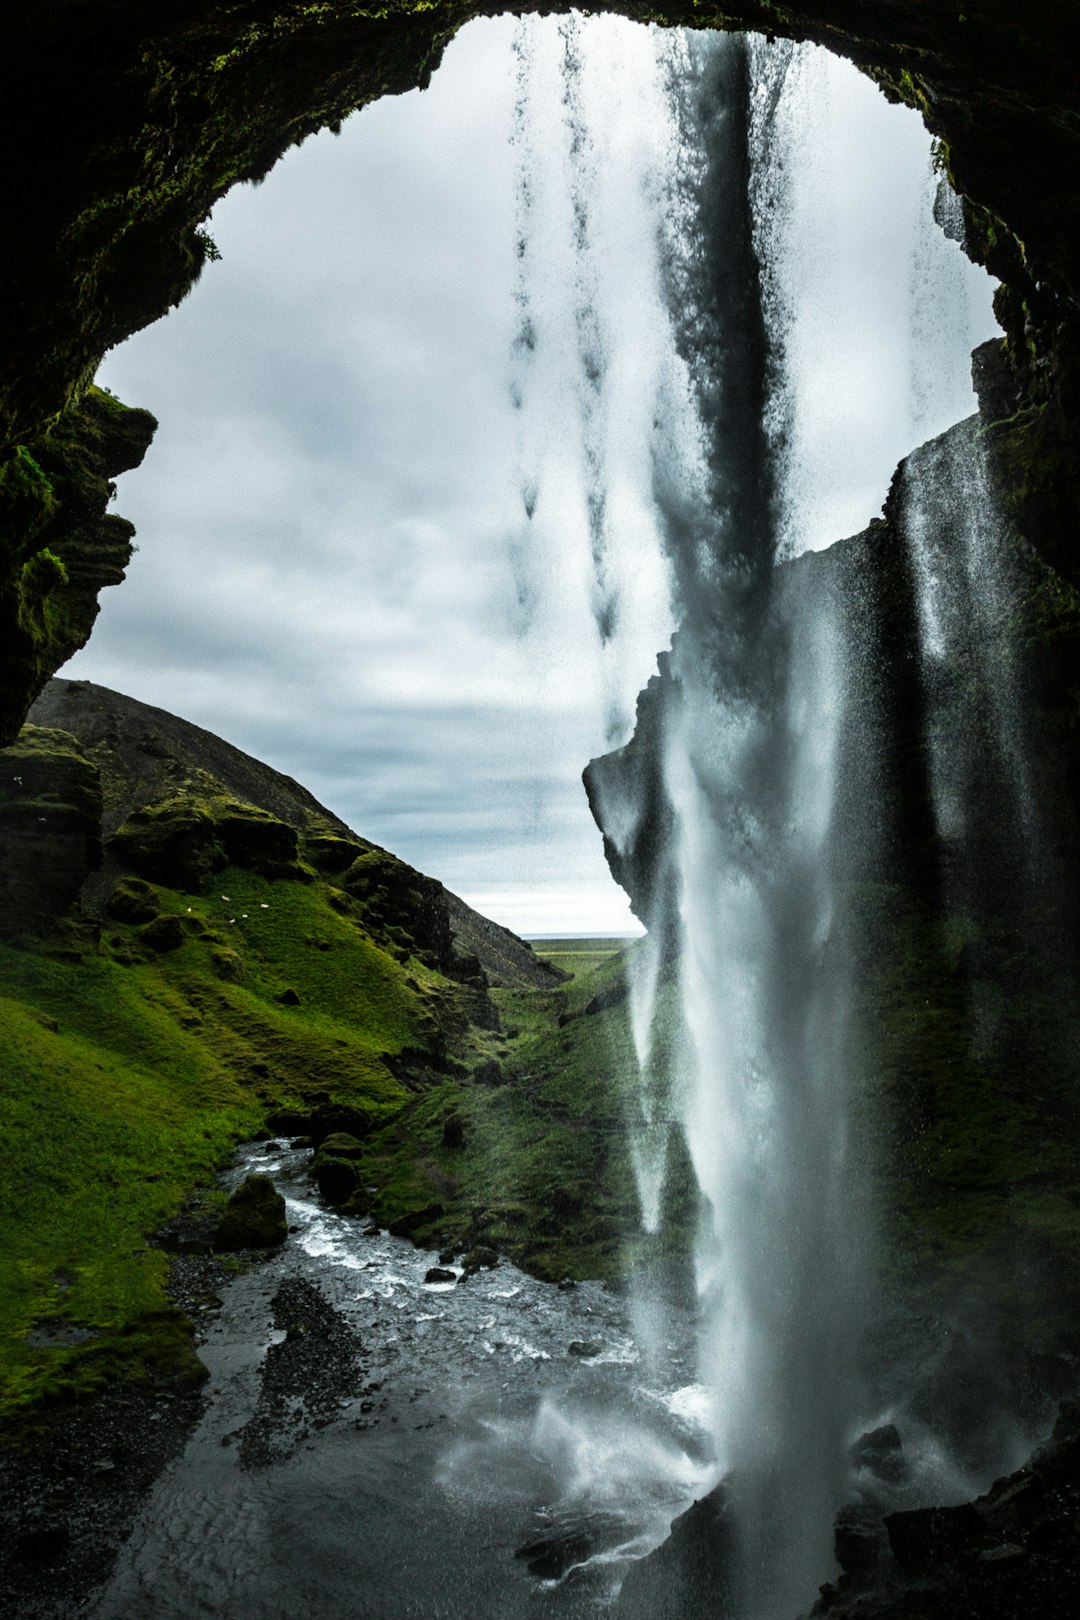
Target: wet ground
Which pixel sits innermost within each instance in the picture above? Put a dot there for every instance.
(374, 1445)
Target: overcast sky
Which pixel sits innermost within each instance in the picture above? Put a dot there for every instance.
(335, 571)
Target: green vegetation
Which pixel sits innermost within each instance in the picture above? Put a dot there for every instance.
(128, 1076)
(575, 955)
(227, 967)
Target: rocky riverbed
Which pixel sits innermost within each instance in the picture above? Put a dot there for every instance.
(390, 1433)
(376, 1443)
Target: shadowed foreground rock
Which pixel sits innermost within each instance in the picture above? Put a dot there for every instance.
(1013, 1554)
(692, 1572)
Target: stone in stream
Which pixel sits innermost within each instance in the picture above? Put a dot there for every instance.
(254, 1217)
(337, 1179)
(439, 1274)
(480, 1259)
(584, 1348)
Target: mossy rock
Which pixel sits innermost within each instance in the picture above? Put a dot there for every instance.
(228, 965)
(175, 843)
(133, 901)
(329, 853)
(254, 1217)
(341, 1145)
(414, 1220)
(164, 933)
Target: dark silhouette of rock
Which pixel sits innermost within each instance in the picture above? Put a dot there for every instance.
(1013, 1554)
(694, 1572)
(254, 1217)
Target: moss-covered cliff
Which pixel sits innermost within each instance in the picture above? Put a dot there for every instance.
(124, 124)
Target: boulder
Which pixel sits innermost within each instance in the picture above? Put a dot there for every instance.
(439, 1274)
(165, 933)
(882, 1452)
(254, 1217)
(341, 1145)
(480, 1259)
(337, 1179)
(132, 900)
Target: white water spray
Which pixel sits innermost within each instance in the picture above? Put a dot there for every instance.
(729, 375)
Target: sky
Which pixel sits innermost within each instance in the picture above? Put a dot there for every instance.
(335, 571)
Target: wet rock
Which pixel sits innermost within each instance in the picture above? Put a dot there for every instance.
(861, 1542)
(439, 1274)
(881, 1451)
(308, 1379)
(693, 1572)
(193, 1231)
(254, 1217)
(584, 1348)
(337, 1179)
(1010, 1555)
(480, 1259)
(550, 1558)
(923, 1537)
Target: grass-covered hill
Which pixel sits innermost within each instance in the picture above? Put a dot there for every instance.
(192, 949)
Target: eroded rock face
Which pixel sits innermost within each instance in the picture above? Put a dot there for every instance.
(50, 828)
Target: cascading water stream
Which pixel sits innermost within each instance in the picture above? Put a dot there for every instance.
(740, 1000)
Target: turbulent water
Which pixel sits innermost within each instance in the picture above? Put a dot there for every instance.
(432, 1433)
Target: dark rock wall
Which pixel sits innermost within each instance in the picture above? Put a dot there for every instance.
(50, 828)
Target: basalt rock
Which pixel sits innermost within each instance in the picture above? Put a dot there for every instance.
(693, 1572)
(1010, 1555)
(50, 828)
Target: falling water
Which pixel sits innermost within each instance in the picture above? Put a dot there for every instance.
(678, 320)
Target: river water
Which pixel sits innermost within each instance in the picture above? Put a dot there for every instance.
(456, 1428)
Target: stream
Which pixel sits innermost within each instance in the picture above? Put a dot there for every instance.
(390, 1450)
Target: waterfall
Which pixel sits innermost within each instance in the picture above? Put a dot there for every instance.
(679, 375)
(748, 765)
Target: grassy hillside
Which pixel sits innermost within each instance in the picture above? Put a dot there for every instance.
(221, 951)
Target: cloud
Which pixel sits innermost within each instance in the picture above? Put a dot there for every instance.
(338, 571)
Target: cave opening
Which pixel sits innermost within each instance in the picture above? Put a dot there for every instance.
(462, 482)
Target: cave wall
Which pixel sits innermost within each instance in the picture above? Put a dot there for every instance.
(125, 122)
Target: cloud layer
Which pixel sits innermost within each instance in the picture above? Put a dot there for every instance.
(335, 569)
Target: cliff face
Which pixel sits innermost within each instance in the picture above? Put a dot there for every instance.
(152, 112)
(956, 852)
